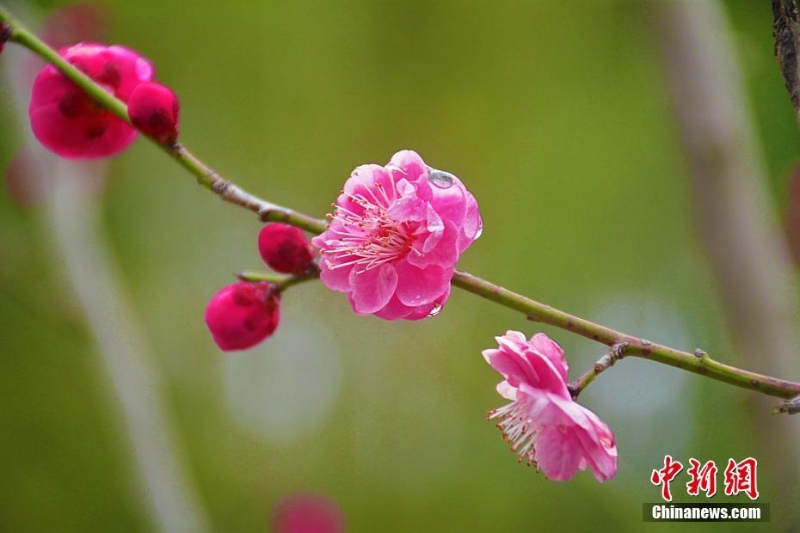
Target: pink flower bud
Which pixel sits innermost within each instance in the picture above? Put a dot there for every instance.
(154, 109)
(242, 315)
(68, 121)
(285, 249)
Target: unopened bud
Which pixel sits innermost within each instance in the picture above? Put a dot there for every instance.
(285, 249)
(242, 315)
(153, 110)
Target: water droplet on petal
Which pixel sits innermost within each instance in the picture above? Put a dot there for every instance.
(479, 232)
(441, 179)
(437, 308)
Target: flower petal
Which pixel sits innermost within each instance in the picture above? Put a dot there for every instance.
(417, 286)
(550, 349)
(558, 454)
(511, 366)
(443, 254)
(590, 442)
(372, 289)
(431, 309)
(508, 392)
(410, 164)
(451, 203)
(394, 310)
(336, 279)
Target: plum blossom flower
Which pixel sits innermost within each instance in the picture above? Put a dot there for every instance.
(394, 238)
(543, 424)
(68, 121)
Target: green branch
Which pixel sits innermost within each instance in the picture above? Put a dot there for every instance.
(280, 282)
(624, 344)
(621, 343)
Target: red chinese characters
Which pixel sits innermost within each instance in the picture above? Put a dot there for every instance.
(664, 476)
(741, 477)
(704, 478)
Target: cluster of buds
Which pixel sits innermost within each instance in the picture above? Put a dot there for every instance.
(245, 313)
(69, 122)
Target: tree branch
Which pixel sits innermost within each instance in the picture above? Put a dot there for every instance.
(267, 211)
(787, 43)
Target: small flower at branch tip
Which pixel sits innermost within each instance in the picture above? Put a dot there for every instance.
(154, 110)
(68, 121)
(285, 249)
(543, 424)
(395, 236)
(242, 315)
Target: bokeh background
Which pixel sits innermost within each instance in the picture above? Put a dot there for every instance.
(554, 114)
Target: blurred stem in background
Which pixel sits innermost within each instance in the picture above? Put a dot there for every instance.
(735, 219)
(73, 216)
(73, 221)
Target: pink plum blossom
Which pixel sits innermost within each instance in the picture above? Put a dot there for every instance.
(543, 424)
(68, 121)
(395, 237)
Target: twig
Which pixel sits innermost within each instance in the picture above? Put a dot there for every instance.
(787, 44)
(281, 283)
(615, 353)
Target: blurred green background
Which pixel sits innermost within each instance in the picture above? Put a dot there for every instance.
(555, 116)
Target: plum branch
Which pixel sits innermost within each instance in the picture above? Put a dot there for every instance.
(620, 344)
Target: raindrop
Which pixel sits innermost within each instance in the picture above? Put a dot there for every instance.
(441, 179)
(437, 308)
(479, 232)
